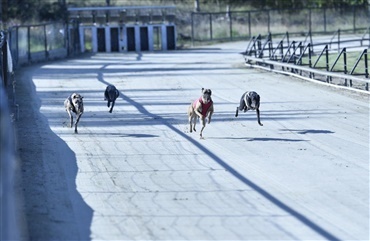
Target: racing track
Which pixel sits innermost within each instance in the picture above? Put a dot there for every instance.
(139, 174)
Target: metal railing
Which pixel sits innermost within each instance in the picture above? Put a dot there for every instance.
(293, 54)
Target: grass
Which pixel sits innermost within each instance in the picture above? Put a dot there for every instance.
(352, 58)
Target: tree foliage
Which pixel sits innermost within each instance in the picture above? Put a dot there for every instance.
(52, 10)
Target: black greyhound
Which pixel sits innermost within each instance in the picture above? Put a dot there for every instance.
(250, 100)
(111, 94)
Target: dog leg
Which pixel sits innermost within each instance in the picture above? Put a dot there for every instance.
(237, 112)
(108, 103)
(258, 117)
(203, 122)
(77, 120)
(191, 123)
(111, 109)
(194, 122)
(70, 117)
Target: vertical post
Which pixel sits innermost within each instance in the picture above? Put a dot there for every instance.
(210, 26)
(366, 64)
(249, 24)
(345, 64)
(231, 24)
(354, 18)
(309, 56)
(345, 60)
(325, 20)
(338, 40)
(4, 60)
(45, 43)
(192, 29)
(268, 21)
(310, 20)
(328, 78)
(29, 43)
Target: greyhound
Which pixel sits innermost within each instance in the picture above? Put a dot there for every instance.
(250, 100)
(201, 108)
(111, 94)
(74, 104)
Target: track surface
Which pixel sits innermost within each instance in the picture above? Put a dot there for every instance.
(139, 174)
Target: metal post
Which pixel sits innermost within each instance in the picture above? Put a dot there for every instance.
(45, 43)
(231, 25)
(354, 18)
(338, 40)
(29, 43)
(366, 64)
(192, 29)
(210, 25)
(249, 25)
(325, 20)
(310, 20)
(268, 21)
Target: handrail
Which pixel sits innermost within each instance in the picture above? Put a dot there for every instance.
(310, 70)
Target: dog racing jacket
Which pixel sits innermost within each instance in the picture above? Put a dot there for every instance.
(205, 107)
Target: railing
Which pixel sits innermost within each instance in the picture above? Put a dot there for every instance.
(293, 56)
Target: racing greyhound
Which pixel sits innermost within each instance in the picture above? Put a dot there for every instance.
(74, 104)
(201, 108)
(111, 94)
(250, 100)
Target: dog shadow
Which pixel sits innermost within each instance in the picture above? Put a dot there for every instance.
(259, 139)
(308, 131)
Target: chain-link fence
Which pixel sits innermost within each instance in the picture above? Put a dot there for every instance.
(236, 25)
(33, 43)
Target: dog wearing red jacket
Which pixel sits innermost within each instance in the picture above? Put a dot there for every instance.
(201, 109)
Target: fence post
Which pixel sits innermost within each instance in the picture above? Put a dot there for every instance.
(268, 21)
(29, 43)
(45, 43)
(354, 18)
(366, 65)
(310, 20)
(338, 40)
(249, 25)
(192, 29)
(231, 24)
(210, 25)
(325, 20)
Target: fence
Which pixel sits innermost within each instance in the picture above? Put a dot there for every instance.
(34, 43)
(293, 55)
(236, 25)
(9, 228)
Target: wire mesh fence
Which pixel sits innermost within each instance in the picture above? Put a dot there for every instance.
(234, 25)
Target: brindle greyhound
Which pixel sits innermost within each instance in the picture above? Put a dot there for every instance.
(201, 108)
(250, 100)
(74, 104)
(111, 94)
